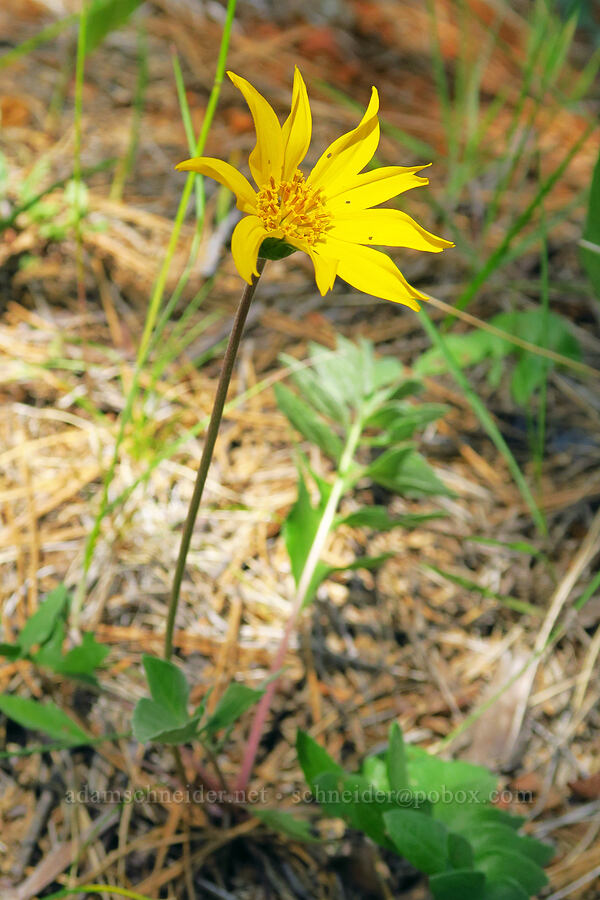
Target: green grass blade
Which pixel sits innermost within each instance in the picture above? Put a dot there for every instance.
(496, 259)
(511, 602)
(154, 308)
(59, 183)
(486, 420)
(191, 137)
(42, 37)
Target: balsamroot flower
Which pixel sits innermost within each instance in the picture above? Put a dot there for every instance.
(328, 214)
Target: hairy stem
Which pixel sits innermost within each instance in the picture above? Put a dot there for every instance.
(207, 452)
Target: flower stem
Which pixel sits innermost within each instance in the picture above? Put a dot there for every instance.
(312, 560)
(209, 446)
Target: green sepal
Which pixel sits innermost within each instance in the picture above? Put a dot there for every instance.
(275, 248)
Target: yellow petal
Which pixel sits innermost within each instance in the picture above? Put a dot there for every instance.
(375, 187)
(224, 174)
(247, 237)
(372, 272)
(349, 154)
(325, 270)
(388, 227)
(267, 157)
(297, 128)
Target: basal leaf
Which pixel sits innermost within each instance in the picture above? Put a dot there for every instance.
(314, 759)
(396, 760)
(417, 837)
(374, 770)
(286, 823)
(457, 785)
(365, 808)
(507, 889)
(464, 884)
(40, 625)
(168, 687)
(235, 701)
(10, 651)
(85, 658)
(152, 721)
(502, 862)
(487, 836)
(50, 653)
(460, 851)
(45, 717)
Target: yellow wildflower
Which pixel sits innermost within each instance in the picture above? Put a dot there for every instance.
(328, 214)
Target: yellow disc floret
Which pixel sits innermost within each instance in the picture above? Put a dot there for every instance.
(294, 209)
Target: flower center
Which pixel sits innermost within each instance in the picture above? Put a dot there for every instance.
(293, 208)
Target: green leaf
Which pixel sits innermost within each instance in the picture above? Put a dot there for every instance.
(590, 252)
(168, 686)
(358, 802)
(153, 722)
(286, 823)
(45, 717)
(339, 372)
(105, 16)
(406, 472)
(374, 770)
(10, 651)
(390, 372)
(165, 717)
(550, 331)
(378, 518)
(301, 526)
(487, 836)
(400, 420)
(307, 422)
(235, 701)
(470, 818)
(498, 863)
(468, 350)
(367, 807)
(507, 889)
(85, 658)
(40, 626)
(315, 393)
(396, 760)
(50, 653)
(313, 759)
(458, 783)
(528, 374)
(465, 883)
(419, 838)
(460, 851)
